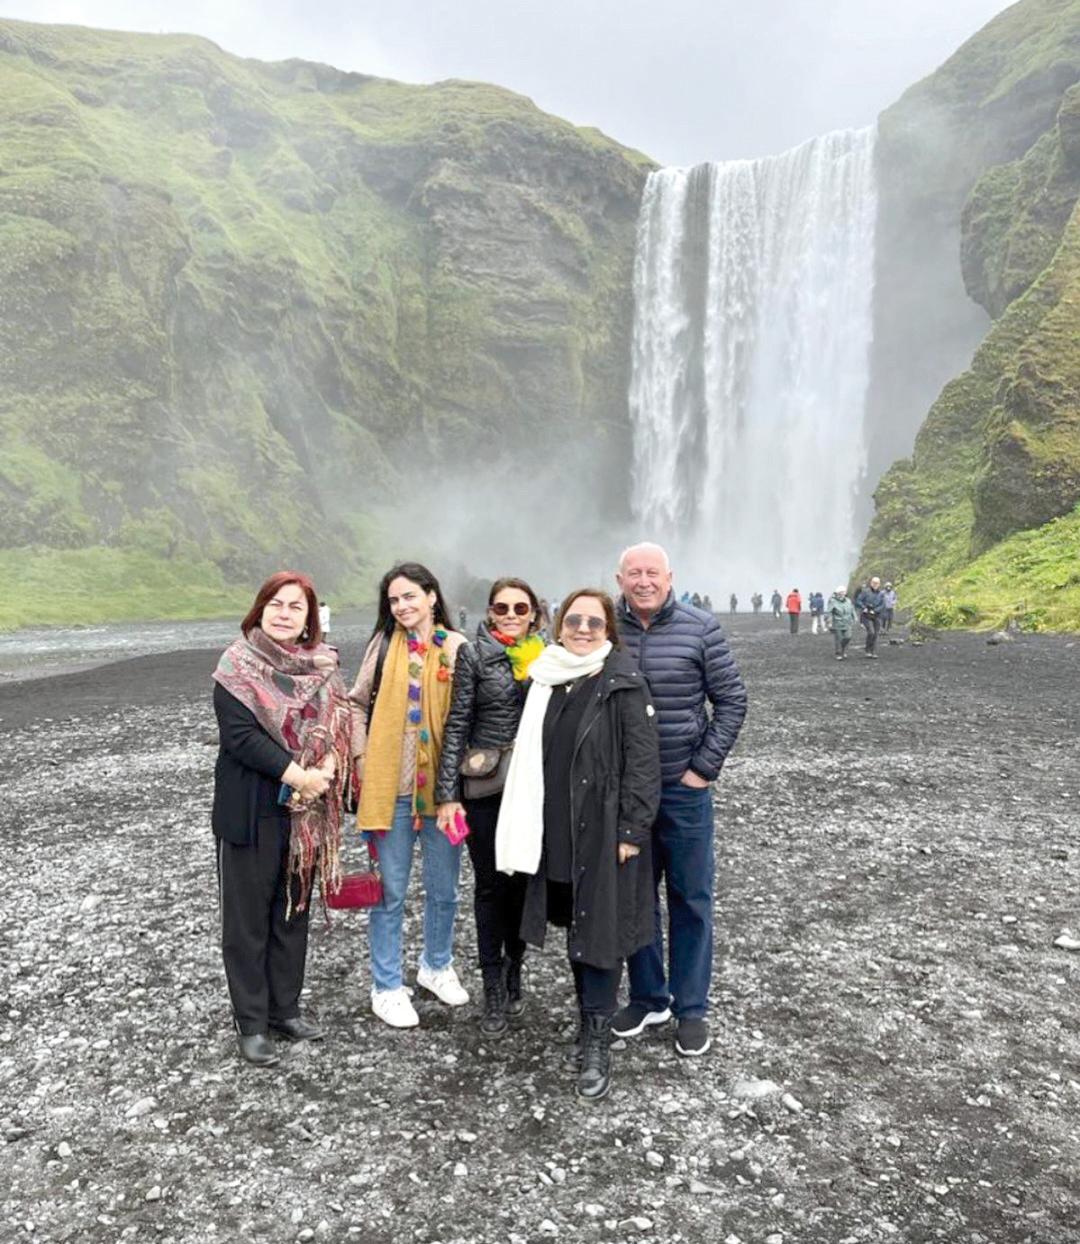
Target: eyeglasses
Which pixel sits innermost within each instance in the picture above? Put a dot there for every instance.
(576, 620)
(500, 608)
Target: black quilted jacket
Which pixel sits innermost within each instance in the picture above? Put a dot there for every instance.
(485, 708)
(687, 663)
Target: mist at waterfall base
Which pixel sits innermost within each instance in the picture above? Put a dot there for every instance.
(753, 294)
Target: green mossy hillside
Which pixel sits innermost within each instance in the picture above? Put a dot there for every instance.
(254, 305)
(999, 452)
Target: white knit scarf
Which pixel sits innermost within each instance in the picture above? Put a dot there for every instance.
(519, 834)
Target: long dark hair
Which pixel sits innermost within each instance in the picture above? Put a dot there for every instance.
(425, 580)
(521, 586)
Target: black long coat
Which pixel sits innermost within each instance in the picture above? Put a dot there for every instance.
(614, 797)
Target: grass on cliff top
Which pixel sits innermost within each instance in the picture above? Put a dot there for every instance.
(1033, 577)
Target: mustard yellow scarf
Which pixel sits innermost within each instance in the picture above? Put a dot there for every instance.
(391, 718)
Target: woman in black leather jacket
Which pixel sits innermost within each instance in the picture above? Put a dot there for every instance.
(490, 683)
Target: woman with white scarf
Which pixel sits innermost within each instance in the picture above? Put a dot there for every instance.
(577, 811)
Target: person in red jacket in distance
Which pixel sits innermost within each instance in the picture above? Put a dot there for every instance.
(793, 605)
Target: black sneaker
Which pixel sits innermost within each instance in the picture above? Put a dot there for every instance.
(692, 1037)
(634, 1018)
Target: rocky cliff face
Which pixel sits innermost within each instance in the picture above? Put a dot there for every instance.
(980, 182)
(244, 307)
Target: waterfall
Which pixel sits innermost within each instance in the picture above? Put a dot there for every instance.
(753, 285)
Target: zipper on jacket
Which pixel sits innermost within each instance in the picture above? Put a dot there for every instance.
(573, 819)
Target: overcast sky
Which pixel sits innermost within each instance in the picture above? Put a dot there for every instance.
(683, 80)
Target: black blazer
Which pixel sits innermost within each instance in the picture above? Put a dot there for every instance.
(247, 775)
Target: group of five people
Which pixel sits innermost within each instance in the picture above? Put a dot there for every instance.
(582, 769)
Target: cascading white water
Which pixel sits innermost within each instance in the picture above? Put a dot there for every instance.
(753, 287)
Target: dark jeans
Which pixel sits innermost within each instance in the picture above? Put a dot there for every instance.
(794, 619)
(683, 854)
(886, 620)
(872, 623)
(841, 639)
(498, 899)
(264, 953)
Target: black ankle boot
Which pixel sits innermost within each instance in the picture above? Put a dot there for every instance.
(594, 1079)
(515, 1000)
(493, 1022)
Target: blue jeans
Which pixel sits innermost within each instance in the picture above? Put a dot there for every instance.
(683, 854)
(441, 864)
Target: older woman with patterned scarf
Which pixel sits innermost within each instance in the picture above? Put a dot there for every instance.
(403, 696)
(490, 685)
(284, 723)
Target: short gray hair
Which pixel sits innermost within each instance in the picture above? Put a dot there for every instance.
(644, 546)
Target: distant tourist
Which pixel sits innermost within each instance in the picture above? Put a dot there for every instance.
(684, 599)
(776, 602)
(284, 725)
(324, 619)
(706, 603)
(756, 602)
(793, 605)
(733, 603)
(841, 614)
(695, 600)
(490, 682)
(870, 605)
(689, 667)
(890, 607)
(588, 745)
(402, 693)
(817, 613)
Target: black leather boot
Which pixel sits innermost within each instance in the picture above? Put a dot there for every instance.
(594, 1080)
(257, 1049)
(515, 999)
(493, 1021)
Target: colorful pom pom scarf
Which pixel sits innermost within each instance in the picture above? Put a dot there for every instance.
(414, 695)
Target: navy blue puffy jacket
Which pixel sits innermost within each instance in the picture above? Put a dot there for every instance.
(686, 660)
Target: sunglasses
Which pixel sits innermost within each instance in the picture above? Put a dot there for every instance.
(500, 608)
(575, 620)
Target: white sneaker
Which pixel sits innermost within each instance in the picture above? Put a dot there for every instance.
(394, 1007)
(444, 984)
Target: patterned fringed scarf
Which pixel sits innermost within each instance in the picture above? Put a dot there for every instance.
(298, 697)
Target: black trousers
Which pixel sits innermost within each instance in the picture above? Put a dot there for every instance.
(597, 989)
(886, 620)
(872, 623)
(498, 899)
(264, 954)
(794, 619)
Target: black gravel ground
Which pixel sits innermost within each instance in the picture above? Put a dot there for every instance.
(897, 1050)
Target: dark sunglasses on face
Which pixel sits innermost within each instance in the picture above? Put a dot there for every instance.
(574, 622)
(500, 608)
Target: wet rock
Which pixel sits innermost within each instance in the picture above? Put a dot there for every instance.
(752, 1090)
